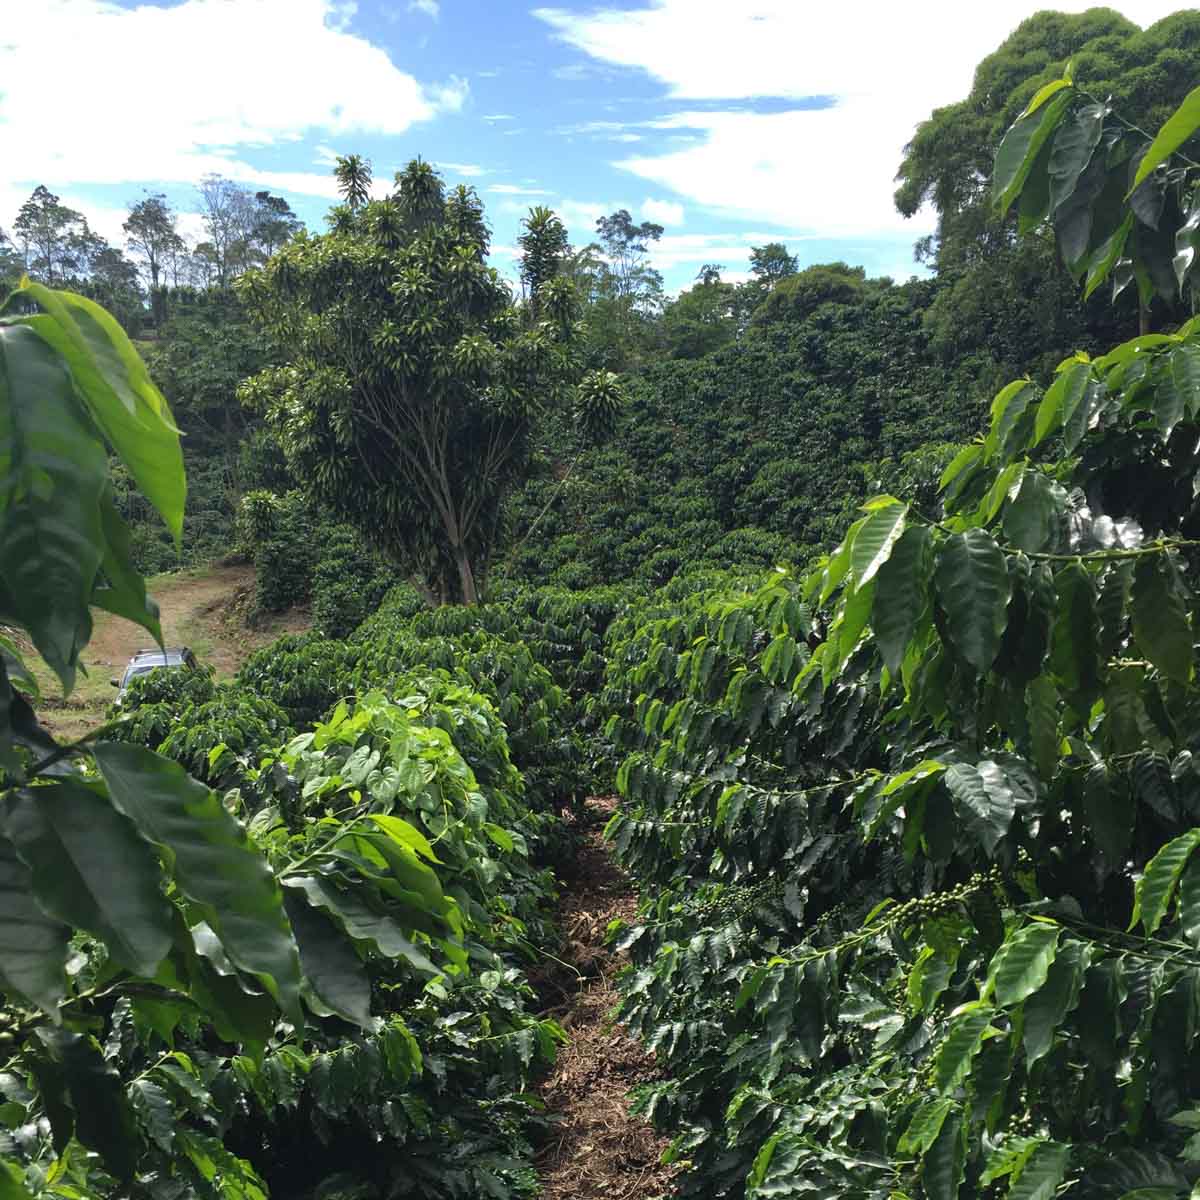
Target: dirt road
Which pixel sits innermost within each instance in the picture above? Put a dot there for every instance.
(194, 607)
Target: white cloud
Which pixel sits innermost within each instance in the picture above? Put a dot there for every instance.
(431, 8)
(328, 81)
(663, 212)
(493, 118)
(341, 13)
(829, 169)
(512, 189)
(470, 170)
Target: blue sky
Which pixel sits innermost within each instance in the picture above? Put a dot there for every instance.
(729, 122)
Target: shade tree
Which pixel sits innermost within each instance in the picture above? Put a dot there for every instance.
(414, 386)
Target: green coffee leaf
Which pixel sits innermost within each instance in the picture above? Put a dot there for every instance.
(984, 801)
(1033, 514)
(874, 541)
(333, 971)
(33, 946)
(958, 1051)
(1160, 617)
(924, 1127)
(122, 399)
(212, 861)
(53, 472)
(973, 588)
(1021, 966)
(901, 593)
(90, 869)
(1179, 127)
(1019, 148)
(945, 1161)
(1046, 1008)
(1042, 1174)
(1154, 891)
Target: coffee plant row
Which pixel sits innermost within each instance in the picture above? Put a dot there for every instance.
(313, 983)
(917, 827)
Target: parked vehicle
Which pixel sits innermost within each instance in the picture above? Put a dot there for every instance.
(170, 658)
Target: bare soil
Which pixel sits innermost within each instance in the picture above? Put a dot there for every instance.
(597, 1150)
(202, 608)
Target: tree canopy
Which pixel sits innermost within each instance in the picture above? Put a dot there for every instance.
(414, 383)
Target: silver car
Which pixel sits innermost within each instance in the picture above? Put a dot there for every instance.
(145, 661)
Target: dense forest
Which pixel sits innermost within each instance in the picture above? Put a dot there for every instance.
(872, 601)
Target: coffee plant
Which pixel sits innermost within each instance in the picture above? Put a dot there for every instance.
(916, 827)
(205, 995)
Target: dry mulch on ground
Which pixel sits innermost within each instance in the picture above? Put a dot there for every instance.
(596, 1148)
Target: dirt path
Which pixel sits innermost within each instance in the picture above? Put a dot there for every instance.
(597, 1150)
(195, 609)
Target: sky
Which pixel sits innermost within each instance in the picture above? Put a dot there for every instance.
(731, 123)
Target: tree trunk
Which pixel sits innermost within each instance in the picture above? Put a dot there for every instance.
(466, 577)
(1143, 319)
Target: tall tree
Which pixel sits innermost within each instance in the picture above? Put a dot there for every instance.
(702, 319)
(54, 239)
(772, 262)
(415, 387)
(151, 235)
(1001, 292)
(626, 291)
(228, 213)
(10, 262)
(274, 224)
(353, 175)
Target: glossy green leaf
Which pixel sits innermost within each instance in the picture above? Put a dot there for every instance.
(1160, 617)
(924, 1127)
(1041, 707)
(1074, 144)
(985, 806)
(1109, 813)
(1044, 93)
(123, 591)
(945, 1161)
(332, 968)
(1046, 1008)
(1185, 374)
(962, 1044)
(212, 861)
(115, 385)
(1105, 258)
(1180, 126)
(12, 1182)
(1189, 901)
(1009, 1158)
(1042, 1174)
(901, 594)
(360, 921)
(1033, 514)
(1008, 407)
(1076, 627)
(103, 1119)
(33, 946)
(973, 588)
(156, 1114)
(406, 834)
(1020, 146)
(1153, 893)
(53, 472)
(1021, 966)
(90, 869)
(967, 457)
(1061, 399)
(875, 539)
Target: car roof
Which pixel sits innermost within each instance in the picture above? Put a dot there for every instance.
(168, 657)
